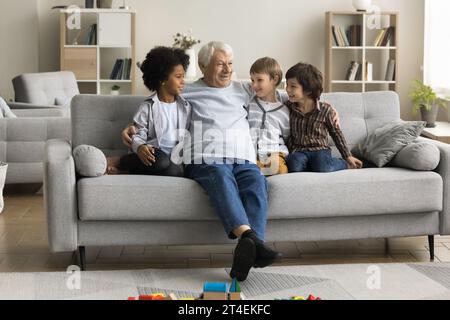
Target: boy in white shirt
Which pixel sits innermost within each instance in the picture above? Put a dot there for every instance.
(268, 117)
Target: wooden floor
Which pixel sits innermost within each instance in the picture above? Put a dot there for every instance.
(24, 246)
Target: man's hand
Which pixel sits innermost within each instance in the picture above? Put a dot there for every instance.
(146, 154)
(127, 134)
(354, 163)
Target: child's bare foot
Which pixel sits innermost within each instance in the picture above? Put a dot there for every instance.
(112, 166)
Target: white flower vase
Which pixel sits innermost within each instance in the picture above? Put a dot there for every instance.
(191, 72)
(362, 5)
(115, 92)
(3, 169)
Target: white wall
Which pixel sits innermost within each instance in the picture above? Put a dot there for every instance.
(288, 30)
(18, 42)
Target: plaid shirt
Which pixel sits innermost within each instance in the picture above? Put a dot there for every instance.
(309, 132)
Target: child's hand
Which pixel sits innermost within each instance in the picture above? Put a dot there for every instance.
(354, 163)
(147, 155)
(127, 134)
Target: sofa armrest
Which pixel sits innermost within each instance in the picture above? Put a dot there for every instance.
(444, 170)
(60, 196)
(38, 113)
(23, 105)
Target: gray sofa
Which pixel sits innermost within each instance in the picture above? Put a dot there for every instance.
(23, 140)
(150, 210)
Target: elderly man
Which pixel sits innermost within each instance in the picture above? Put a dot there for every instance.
(222, 158)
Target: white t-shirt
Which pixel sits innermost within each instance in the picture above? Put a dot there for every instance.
(169, 125)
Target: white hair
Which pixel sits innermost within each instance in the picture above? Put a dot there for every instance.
(207, 51)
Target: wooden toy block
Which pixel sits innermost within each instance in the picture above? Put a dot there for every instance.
(215, 287)
(171, 296)
(215, 296)
(234, 296)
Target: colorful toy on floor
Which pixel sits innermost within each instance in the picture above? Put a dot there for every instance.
(155, 296)
(310, 298)
(219, 291)
(215, 291)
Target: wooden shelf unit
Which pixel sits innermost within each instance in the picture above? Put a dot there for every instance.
(93, 64)
(338, 58)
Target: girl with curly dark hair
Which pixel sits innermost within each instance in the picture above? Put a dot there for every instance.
(161, 120)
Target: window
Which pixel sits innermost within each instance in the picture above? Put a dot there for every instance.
(437, 45)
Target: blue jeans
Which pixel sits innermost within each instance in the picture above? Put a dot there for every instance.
(315, 161)
(238, 193)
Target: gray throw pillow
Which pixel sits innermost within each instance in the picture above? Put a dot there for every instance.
(383, 144)
(89, 161)
(421, 156)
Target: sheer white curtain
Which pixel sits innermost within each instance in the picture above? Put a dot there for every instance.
(437, 45)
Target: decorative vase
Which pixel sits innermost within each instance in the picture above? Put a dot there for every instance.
(104, 4)
(430, 116)
(115, 92)
(191, 72)
(3, 169)
(362, 5)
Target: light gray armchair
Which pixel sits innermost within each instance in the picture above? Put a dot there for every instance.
(44, 90)
(23, 140)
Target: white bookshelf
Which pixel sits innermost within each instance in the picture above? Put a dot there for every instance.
(93, 64)
(338, 58)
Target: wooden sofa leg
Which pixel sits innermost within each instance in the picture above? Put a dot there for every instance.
(82, 256)
(431, 245)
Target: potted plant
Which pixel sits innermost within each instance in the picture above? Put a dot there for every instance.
(115, 90)
(425, 99)
(186, 43)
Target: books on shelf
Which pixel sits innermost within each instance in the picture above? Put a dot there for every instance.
(353, 71)
(91, 36)
(384, 37)
(368, 76)
(121, 69)
(351, 36)
(390, 71)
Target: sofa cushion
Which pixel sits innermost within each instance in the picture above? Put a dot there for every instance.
(354, 193)
(89, 161)
(291, 196)
(125, 197)
(382, 145)
(420, 156)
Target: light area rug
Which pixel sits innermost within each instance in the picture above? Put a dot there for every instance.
(403, 281)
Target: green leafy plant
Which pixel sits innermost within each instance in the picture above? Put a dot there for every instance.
(184, 42)
(115, 88)
(424, 96)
